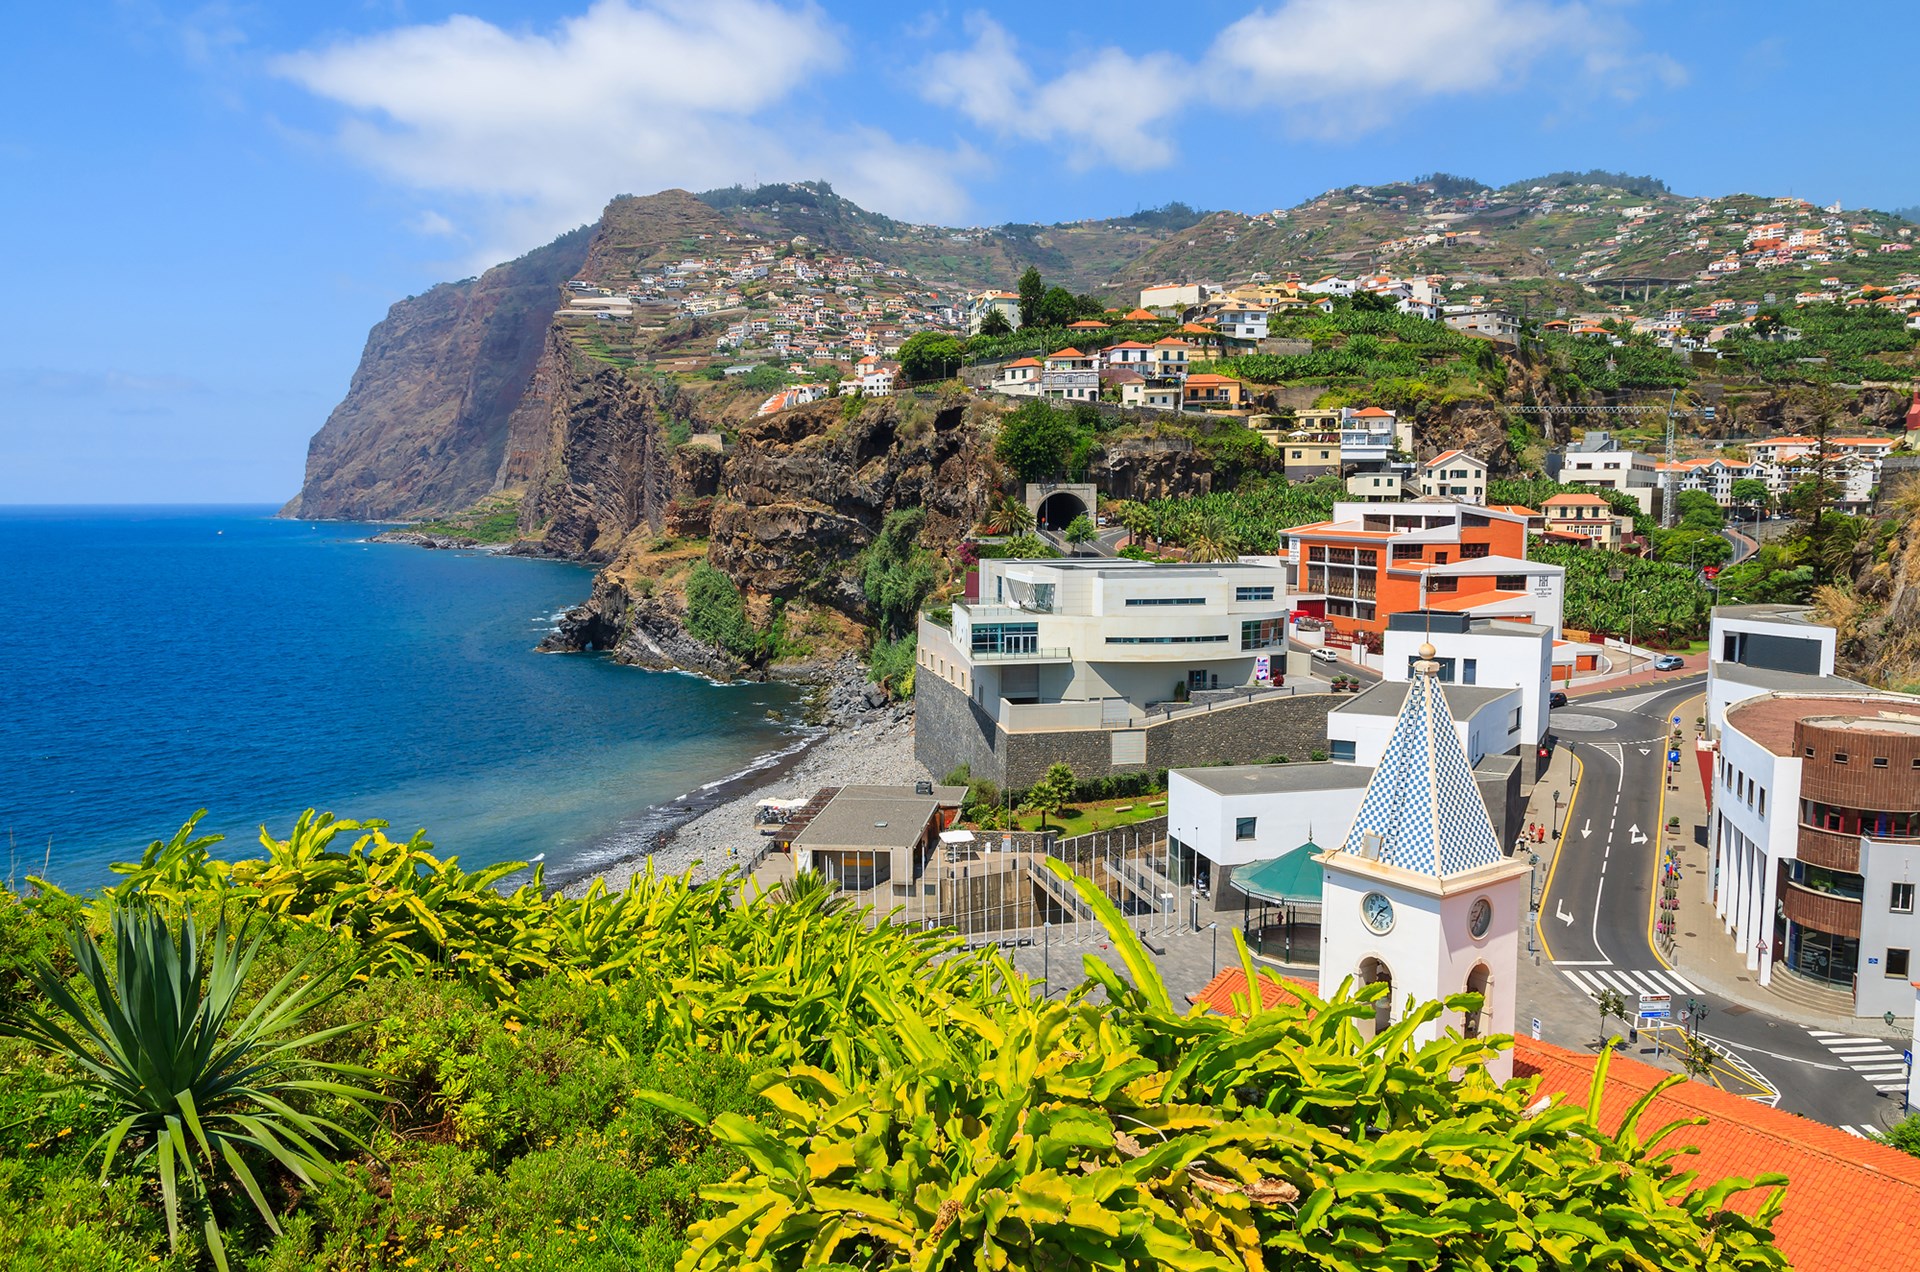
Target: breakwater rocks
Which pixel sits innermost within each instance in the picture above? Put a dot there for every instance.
(421, 539)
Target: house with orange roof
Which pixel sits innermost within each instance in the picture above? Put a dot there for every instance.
(1140, 315)
(1019, 378)
(1087, 324)
(1240, 321)
(1582, 516)
(1455, 475)
(1214, 394)
(1072, 375)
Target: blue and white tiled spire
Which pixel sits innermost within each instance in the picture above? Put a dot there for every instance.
(1422, 810)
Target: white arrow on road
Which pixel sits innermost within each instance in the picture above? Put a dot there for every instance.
(1634, 836)
(1560, 913)
(1586, 829)
(1646, 750)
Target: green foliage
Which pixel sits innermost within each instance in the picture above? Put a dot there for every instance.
(1081, 530)
(1052, 792)
(1022, 546)
(1692, 547)
(930, 355)
(1368, 346)
(1652, 600)
(1049, 1134)
(1904, 1135)
(1031, 288)
(1040, 442)
(1639, 363)
(1751, 492)
(764, 378)
(1853, 339)
(1250, 518)
(890, 664)
(995, 324)
(1698, 511)
(717, 614)
(1010, 515)
(495, 519)
(896, 573)
(158, 1039)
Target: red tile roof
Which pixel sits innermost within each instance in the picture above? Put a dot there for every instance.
(1141, 315)
(1574, 501)
(1372, 412)
(1275, 989)
(1851, 1205)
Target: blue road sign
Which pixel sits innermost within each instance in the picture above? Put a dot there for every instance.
(1673, 757)
(1907, 1055)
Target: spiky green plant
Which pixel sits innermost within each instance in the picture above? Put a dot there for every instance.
(155, 1038)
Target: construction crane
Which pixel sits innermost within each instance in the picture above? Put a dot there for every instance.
(1673, 411)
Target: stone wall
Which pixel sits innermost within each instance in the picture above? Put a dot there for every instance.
(950, 730)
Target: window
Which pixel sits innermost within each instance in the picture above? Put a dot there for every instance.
(1839, 757)
(1243, 827)
(1879, 761)
(1902, 900)
(1513, 720)
(1006, 638)
(1510, 583)
(1407, 551)
(1340, 750)
(1897, 963)
(1297, 455)
(1810, 756)
(1473, 551)
(1763, 801)
(1166, 640)
(1252, 593)
(1470, 672)
(1166, 600)
(1443, 584)
(1263, 633)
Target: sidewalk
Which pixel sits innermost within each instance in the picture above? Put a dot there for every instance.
(1703, 950)
(1641, 676)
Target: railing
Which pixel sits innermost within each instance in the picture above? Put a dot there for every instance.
(1829, 848)
(1822, 911)
(1018, 655)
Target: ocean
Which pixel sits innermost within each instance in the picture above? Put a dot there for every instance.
(154, 661)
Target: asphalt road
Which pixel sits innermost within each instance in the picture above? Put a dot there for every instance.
(1596, 909)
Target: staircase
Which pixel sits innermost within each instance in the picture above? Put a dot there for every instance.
(1813, 995)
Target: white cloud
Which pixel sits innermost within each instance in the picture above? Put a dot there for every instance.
(539, 128)
(434, 224)
(1341, 68)
(1109, 109)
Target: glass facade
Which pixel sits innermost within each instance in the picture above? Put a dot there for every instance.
(1252, 593)
(1822, 956)
(1263, 633)
(1006, 638)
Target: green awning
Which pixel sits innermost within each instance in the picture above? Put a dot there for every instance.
(1285, 880)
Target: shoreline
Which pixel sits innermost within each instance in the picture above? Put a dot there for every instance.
(711, 830)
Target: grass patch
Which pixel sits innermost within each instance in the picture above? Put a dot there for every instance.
(1088, 816)
(495, 519)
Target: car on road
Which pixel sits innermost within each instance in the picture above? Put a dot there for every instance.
(1556, 699)
(1669, 662)
(1325, 656)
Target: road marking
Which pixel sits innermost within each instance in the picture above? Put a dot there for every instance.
(1862, 1132)
(1586, 830)
(1629, 984)
(1634, 836)
(1546, 889)
(1560, 911)
(1591, 962)
(1879, 1065)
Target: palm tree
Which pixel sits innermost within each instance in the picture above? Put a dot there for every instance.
(1213, 540)
(155, 1040)
(1010, 516)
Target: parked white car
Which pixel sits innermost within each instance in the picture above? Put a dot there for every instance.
(1325, 656)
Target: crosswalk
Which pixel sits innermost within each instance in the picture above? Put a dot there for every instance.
(1863, 1132)
(1874, 1059)
(1629, 984)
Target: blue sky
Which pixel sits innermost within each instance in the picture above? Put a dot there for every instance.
(205, 207)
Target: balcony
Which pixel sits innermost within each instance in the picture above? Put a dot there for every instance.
(1829, 848)
(1822, 911)
(1033, 655)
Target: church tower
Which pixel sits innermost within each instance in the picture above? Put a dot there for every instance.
(1419, 893)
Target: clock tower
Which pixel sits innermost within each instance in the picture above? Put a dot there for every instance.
(1419, 893)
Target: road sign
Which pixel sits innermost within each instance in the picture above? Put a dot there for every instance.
(1673, 757)
(1907, 1056)
(1536, 1030)
(1656, 1006)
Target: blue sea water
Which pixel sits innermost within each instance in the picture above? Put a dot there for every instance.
(154, 661)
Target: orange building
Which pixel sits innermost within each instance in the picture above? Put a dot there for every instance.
(1372, 560)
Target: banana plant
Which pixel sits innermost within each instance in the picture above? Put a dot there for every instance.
(197, 1088)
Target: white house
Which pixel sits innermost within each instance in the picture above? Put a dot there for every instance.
(1171, 295)
(1487, 720)
(1455, 474)
(1243, 321)
(1752, 649)
(1479, 651)
(1006, 304)
(1019, 378)
(1235, 815)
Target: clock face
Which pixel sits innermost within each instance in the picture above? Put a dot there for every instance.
(1378, 913)
(1480, 917)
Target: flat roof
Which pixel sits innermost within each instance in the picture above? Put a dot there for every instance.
(1785, 681)
(1769, 719)
(1123, 565)
(1778, 613)
(1279, 779)
(876, 817)
(1494, 565)
(1387, 697)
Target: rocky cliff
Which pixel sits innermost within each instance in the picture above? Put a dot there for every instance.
(423, 428)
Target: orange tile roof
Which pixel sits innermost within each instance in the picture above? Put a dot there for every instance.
(1210, 378)
(1141, 315)
(1372, 412)
(1169, 340)
(1851, 1205)
(1275, 989)
(1444, 456)
(1086, 324)
(1130, 344)
(1570, 500)
(1518, 510)
(1195, 329)
(1025, 362)
(1068, 352)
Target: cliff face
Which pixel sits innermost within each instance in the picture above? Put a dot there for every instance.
(424, 425)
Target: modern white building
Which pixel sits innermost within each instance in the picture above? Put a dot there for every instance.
(1232, 816)
(1816, 842)
(1754, 649)
(1487, 720)
(1595, 462)
(1106, 636)
(1479, 652)
(1419, 893)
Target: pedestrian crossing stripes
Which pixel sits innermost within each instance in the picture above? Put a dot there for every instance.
(1863, 1132)
(1630, 984)
(1874, 1059)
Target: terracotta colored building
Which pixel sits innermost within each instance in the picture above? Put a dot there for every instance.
(1372, 560)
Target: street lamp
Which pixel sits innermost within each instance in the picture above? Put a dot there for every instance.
(1214, 965)
(1046, 959)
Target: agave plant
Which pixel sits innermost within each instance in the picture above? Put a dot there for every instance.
(155, 1038)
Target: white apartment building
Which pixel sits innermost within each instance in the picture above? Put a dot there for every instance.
(1752, 649)
(1455, 475)
(1384, 486)
(1370, 435)
(1816, 842)
(1606, 468)
(1243, 321)
(1479, 651)
(1072, 375)
(1713, 476)
(1487, 720)
(1172, 295)
(1100, 640)
(1007, 304)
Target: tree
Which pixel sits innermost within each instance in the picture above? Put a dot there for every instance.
(1027, 546)
(1057, 308)
(1032, 288)
(1698, 511)
(1010, 516)
(930, 355)
(1371, 302)
(995, 324)
(1080, 530)
(896, 573)
(162, 1042)
(1751, 492)
(1612, 1007)
(1905, 1135)
(1036, 441)
(1052, 792)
